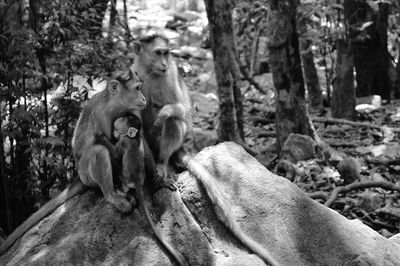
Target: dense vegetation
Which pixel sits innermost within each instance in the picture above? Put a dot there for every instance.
(52, 54)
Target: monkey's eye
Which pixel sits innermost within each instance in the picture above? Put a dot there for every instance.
(158, 53)
(166, 53)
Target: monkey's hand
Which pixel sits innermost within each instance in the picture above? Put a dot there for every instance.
(169, 110)
(162, 115)
(163, 179)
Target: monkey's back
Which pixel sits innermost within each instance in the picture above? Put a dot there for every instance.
(89, 122)
(132, 159)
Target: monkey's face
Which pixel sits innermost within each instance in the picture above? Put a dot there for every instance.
(157, 54)
(120, 127)
(131, 94)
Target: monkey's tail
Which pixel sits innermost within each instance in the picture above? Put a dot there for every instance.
(73, 189)
(221, 209)
(167, 246)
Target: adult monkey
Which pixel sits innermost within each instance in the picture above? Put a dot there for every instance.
(93, 161)
(166, 117)
(166, 121)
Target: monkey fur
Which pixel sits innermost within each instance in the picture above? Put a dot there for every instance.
(166, 117)
(166, 122)
(129, 147)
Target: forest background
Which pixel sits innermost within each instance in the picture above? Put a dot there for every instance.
(54, 54)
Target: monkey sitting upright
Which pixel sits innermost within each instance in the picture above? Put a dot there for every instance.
(166, 117)
(123, 93)
(166, 122)
(129, 148)
(93, 161)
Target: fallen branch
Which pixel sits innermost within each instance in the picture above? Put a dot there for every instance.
(382, 161)
(250, 79)
(359, 185)
(266, 134)
(338, 143)
(319, 195)
(351, 123)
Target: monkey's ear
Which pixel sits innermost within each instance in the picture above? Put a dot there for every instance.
(137, 47)
(113, 87)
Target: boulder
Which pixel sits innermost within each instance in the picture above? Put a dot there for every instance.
(269, 208)
(299, 147)
(204, 138)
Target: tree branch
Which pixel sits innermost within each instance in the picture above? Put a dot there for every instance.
(382, 161)
(359, 185)
(351, 123)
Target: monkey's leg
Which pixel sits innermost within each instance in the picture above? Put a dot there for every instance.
(99, 172)
(172, 137)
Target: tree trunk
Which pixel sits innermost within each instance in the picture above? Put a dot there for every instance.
(224, 49)
(291, 110)
(113, 16)
(397, 81)
(371, 57)
(364, 49)
(311, 76)
(382, 85)
(6, 217)
(343, 97)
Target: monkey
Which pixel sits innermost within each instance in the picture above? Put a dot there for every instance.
(166, 121)
(166, 117)
(129, 148)
(93, 161)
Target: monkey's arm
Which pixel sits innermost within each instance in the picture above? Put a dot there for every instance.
(101, 139)
(177, 110)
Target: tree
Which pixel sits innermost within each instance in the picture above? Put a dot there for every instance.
(290, 104)
(223, 44)
(308, 29)
(343, 97)
(368, 23)
(41, 42)
(6, 221)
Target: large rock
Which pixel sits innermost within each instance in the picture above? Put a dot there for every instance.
(272, 210)
(299, 147)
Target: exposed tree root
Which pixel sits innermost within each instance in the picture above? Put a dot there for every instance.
(359, 185)
(382, 161)
(351, 123)
(319, 195)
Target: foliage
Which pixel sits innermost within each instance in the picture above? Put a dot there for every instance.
(41, 52)
(250, 18)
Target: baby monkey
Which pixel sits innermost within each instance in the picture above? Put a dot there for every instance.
(130, 150)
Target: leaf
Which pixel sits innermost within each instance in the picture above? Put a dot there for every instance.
(373, 5)
(366, 25)
(337, 6)
(84, 3)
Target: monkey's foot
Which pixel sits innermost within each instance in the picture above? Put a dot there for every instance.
(131, 197)
(170, 183)
(163, 179)
(121, 192)
(132, 201)
(120, 203)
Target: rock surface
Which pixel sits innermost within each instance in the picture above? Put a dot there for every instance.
(272, 210)
(299, 147)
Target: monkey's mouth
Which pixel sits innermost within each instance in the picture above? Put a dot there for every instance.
(141, 106)
(162, 70)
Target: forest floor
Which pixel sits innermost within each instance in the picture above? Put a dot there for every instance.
(376, 149)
